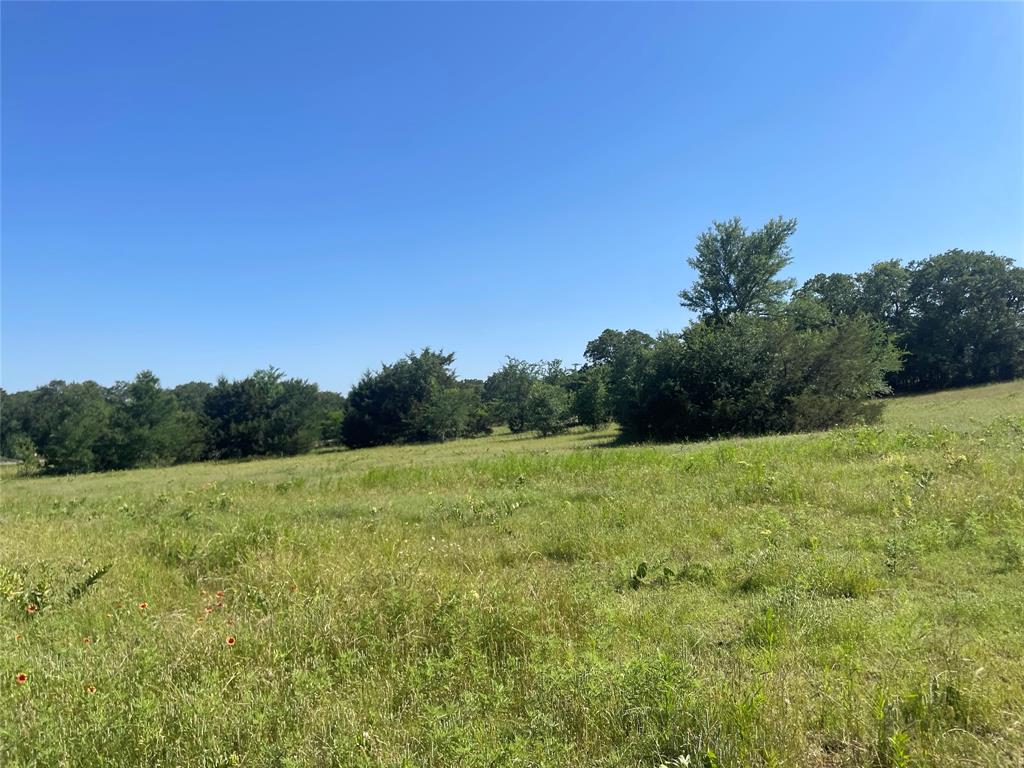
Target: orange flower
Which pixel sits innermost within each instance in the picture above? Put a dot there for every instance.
(90, 689)
(31, 608)
(143, 606)
(21, 678)
(230, 641)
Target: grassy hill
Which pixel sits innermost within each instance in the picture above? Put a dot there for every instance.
(852, 598)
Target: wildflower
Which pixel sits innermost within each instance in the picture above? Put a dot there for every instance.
(220, 593)
(21, 678)
(143, 606)
(87, 640)
(230, 641)
(208, 609)
(31, 608)
(90, 689)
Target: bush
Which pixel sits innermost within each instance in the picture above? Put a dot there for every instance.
(548, 408)
(754, 375)
(262, 415)
(417, 398)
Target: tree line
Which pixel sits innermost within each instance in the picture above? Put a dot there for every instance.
(762, 356)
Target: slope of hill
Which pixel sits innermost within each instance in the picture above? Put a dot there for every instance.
(854, 597)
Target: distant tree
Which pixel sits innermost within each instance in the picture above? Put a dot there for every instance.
(332, 407)
(22, 449)
(737, 271)
(507, 390)
(34, 414)
(590, 403)
(885, 294)
(191, 396)
(611, 346)
(80, 436)
(964, 323)
(450, 412)
(618, 357)
(14, 421)
(756, 375)
(838, 293)
(148, 426)
(263, 414)
(554, 372)
(548, 408)
(387, 406)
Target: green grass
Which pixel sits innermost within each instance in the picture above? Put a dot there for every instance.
(851, 598)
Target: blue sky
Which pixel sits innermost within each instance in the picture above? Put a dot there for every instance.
(204, 189)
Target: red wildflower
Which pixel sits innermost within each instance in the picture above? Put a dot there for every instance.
(143, 606)
(231, 640)
(21, 678)
(31, 608)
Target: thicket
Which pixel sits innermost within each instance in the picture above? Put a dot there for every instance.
(761, 356)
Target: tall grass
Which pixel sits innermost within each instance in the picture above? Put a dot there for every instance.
(851, 598)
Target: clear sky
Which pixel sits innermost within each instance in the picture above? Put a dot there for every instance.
(204, 189)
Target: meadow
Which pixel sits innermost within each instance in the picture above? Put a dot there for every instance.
(844, 598)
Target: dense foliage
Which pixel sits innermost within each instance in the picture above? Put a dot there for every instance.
(759, 358)
(418, 398)
(262, 415)
(959, 315)
(85, 427)
(755, 375)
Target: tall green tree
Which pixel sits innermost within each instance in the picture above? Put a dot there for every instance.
(966, 321)
(79, 437)
(406, 400)
(617, 357)
(450, 412)
(756, 375)
(737, 271)
(262, 414)
(332, 407)
(590, 401)
(837, 292)
(148, 425)
(548, 408)
(885, 294)
(507, 390)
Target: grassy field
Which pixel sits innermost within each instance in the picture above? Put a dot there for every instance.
(850, 598)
